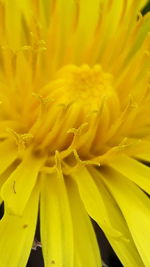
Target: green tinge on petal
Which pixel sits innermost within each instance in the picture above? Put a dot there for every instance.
(140, 37)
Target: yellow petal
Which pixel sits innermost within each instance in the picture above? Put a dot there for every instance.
(144, 156)
(134, 170)
(15, 10)
(8, 153)
(17, 189)
(84, 236)
(135, 206)
(143, 150)
(93, 200)
(17, 234)
(4, 176)
(140, 37)
(44, 10)
(87, 19)
(124, 247)
(56, 225)
(143, 3)
(140, 3)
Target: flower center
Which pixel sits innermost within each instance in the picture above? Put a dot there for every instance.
(74, 110)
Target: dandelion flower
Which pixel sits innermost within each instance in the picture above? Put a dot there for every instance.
(74, 130)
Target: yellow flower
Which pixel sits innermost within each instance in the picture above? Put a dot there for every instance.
(74, 130)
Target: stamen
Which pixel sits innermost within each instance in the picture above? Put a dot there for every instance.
(22, 140)
(77, 134)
